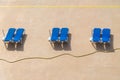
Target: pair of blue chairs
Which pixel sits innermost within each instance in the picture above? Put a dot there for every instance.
(59, 35)
(14, 35)
(101, 35)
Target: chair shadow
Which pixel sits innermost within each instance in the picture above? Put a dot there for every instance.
(57, 46)
(100, 47)
(16, 46)
(107, 47)
(10, 46)
(62, 46)
(19, 46)
(67, 45)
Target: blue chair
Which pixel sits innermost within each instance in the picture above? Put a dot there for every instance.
(18, 36)
(9, 35)
(64, 35)
(96, 35)
(55, 35)
(106, 35)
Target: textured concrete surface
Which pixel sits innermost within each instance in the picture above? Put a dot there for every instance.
(83, 63)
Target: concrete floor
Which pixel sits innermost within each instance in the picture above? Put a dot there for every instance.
(77, 60)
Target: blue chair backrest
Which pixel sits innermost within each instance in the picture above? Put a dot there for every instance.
(64, 32)
(96, 34)
(19, 34)
(106, 32)
(55, 34)
(10, 34)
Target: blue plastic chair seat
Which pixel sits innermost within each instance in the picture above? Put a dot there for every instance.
(96, 35)
(55, 34)
(64, 34)
(9, 35)
(106, 35)
(19, 34)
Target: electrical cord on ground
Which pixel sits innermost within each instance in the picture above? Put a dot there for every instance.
(53, 57)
